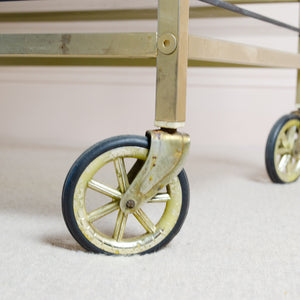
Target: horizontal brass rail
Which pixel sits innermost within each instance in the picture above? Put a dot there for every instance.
(211, 50)
(108, 45)
(132, 49)
(121, 14)
(107, 15)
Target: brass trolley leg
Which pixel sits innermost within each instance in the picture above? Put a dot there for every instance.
(157, 177)
(169, 148)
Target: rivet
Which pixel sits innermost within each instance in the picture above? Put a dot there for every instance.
(130, 204)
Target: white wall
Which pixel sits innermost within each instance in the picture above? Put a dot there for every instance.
(78, 106)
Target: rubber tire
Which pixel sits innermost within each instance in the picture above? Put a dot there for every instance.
(80, 165)
(270, 147)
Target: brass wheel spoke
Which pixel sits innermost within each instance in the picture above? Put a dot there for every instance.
(291, 136)
(297, 166)
(104, 189)
(145, 221)
(290, 167)
(284, 162)
(281, 151)
(103, 211)
(121, 174)
(120, 226)
(284, 140)
(160, 198)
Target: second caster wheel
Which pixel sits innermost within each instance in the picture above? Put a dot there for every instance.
(282, 155)
(92, 192)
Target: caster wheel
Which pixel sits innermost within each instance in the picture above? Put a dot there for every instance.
(92, 192)
(282, 157)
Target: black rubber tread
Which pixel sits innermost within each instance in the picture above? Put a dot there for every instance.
(270, 146)
(80, 165)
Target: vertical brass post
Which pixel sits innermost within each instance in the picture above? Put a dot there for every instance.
(173, 17)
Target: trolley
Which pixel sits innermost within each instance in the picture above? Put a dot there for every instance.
(149, 170)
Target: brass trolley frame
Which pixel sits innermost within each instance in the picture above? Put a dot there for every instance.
(171, 47)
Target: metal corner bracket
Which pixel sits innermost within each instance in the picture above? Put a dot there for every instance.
(165, 160)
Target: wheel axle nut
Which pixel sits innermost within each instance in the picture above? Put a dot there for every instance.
(130, 204)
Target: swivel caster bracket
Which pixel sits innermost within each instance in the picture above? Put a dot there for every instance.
(165, 161)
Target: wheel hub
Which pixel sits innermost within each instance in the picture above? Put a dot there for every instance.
(130, 204)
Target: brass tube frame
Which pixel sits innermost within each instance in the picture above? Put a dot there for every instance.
(172, 47)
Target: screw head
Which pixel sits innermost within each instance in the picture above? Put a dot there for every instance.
(130, 204)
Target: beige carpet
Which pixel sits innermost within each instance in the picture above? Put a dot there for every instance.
(241, 239)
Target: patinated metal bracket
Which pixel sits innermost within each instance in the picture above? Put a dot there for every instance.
(165, 161)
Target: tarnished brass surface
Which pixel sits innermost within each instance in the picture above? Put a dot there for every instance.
(115, 233)
(164, 162)
(75, 61)
(109, 62)
(84, 15)
(128, 45)
(141, 49)
(172, 66)
(286, 152)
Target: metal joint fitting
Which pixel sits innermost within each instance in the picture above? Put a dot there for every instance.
(167, 43)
